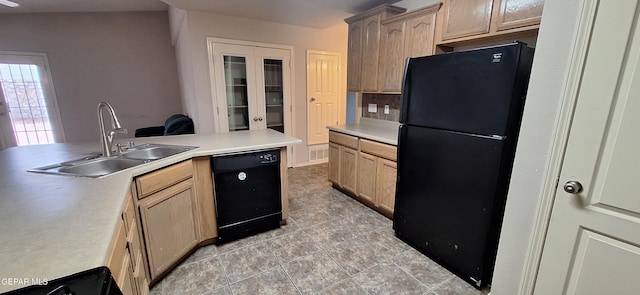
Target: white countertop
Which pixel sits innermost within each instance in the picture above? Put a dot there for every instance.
(378, 130)
(52, 226)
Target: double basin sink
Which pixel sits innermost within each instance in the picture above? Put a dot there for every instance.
(96, 165)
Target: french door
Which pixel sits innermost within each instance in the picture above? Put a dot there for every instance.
(252, 87)
(28, 108)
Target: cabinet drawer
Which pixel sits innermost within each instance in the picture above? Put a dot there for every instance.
(378, 149)
(163, 178)
(343, 139)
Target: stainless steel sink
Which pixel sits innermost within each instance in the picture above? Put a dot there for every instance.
(100, 167)
(154, 152)
(96, 166)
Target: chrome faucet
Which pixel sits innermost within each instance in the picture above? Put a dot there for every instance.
(106, 138)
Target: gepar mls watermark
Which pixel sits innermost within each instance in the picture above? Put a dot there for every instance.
(23, 281)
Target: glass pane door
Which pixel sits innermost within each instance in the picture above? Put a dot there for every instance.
(274, 94)
(235, 77)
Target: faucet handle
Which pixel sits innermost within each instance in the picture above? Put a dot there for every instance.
(121, 148)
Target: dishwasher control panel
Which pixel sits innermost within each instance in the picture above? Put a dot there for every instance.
(268, 158)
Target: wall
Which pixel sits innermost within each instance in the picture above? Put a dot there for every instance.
(546, 87)
(200, 25)
(123, 58)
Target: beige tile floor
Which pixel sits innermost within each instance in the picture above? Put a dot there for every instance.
(331, 245)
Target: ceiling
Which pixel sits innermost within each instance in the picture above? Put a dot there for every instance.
(308, 13)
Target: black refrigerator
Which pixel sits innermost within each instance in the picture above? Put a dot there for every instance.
(459, 124)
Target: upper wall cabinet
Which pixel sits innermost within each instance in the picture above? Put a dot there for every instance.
(467, 21)
(464, 18)
(512, 14)
(406, 35)
(364, 47)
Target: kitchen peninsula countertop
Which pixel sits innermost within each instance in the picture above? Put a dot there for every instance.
(378, 130)
(52, 225)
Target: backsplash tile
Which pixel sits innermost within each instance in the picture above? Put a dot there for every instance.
(393, 100)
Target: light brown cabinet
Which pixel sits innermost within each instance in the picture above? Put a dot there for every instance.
(381, 171)
(364, 169)
(354, 53)
(387, 172)
(334, 163)
(168, 216)
(463, 18)
(465, 21)
(510, 14)
(367, 165)
(343, 159)
(406, 35)
(125, 252)
(364, 47)
(168, 222)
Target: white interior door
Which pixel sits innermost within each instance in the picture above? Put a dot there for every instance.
(593, 240)
(323, 84)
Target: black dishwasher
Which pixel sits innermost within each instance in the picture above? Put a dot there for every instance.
(247, 193)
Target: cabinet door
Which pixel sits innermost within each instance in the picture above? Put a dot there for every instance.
(334, 163)
(511, 14)
(348, 166)
(419, 36)
(125, 282)
(273, 78)
(370, 54)
(168, 224)
(392, 56)
(367, 177)
(386, 185)
(464, 18)
(354, 52)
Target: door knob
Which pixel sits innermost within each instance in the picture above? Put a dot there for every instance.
(312, 99)
(573, 187)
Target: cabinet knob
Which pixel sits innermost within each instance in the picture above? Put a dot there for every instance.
(260, 119)
(312, 99)
(255, 119)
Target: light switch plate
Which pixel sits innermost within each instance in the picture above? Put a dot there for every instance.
(386, 109)
(373, 108)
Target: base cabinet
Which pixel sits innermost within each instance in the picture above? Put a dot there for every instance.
(343, 159)
(168, 222)
(387, 172)
(364, 169)
(126, 255)
(168, 215)
(367, 165)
